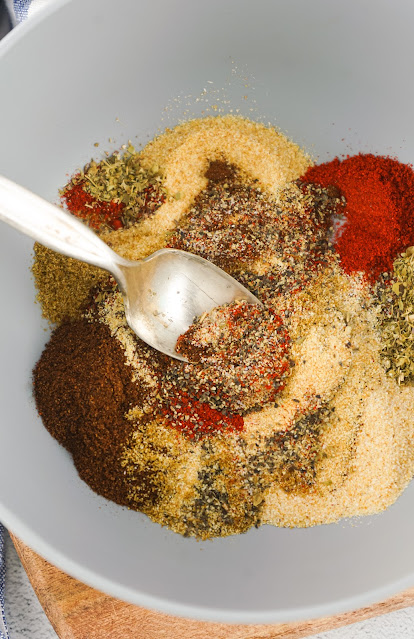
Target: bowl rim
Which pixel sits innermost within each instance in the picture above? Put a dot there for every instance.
(212, 615)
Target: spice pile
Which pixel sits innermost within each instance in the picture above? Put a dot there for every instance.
(293, 414)
(241, 354)
(115, 193)
(271, 245)
(379, 210)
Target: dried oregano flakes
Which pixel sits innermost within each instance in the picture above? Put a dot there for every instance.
(396, 320)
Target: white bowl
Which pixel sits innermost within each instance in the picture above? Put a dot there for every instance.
(337, 76)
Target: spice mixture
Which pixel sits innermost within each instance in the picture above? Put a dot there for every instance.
(295, 413)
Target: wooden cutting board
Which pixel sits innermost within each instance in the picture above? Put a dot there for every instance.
(79, 612)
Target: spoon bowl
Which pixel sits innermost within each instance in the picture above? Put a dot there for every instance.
(163, 293)
(166, 291)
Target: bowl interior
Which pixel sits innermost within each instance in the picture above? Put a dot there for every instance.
(335, 77)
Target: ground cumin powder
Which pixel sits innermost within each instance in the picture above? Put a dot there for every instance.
(63, 284)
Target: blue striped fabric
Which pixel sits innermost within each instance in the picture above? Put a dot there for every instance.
(21, 8)
(3, 626)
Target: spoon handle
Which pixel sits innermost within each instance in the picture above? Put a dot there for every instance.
(54, 228)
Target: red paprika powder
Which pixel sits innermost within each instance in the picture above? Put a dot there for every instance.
(197, 419)
(97, 213)
(379, 210)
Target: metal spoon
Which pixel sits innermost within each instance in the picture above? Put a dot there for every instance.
(163, 293)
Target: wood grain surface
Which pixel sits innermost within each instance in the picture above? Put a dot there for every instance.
(77, 611)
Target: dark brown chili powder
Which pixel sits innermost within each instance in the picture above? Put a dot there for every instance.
(83, 389)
